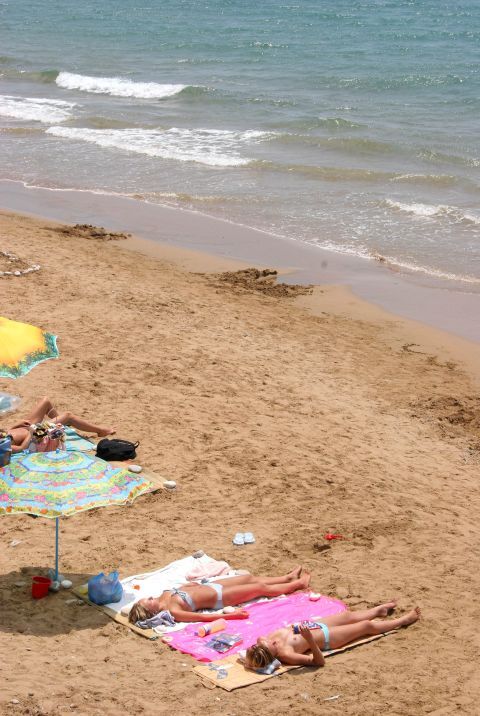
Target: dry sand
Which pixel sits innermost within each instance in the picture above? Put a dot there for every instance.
(271, 418)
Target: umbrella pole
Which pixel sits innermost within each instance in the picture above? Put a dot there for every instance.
(56, 550)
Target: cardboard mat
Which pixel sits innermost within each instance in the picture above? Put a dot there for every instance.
(237, 676)
(82, 593)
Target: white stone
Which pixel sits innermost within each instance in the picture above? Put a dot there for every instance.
(66, 584)
(170, 484)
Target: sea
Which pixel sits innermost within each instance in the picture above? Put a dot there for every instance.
(349, 125)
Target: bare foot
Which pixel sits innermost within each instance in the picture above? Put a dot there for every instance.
(106, 431)
(411, 617)
(305, 580)
(387, 609)
(295, 573)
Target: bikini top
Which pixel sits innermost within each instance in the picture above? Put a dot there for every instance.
(185, 596)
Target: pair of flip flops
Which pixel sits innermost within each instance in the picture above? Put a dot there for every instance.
(243, 538)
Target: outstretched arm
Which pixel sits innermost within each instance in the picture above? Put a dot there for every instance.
(181, 615)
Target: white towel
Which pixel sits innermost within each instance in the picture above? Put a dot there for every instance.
(152, 584)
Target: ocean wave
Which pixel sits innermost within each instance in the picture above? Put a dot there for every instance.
(267, 45)
(101, 122)
(117, 86)
(35, 109)
(173, 198)
(432, 179)
(325, 173)
(395, 263)
(440, 157)
(42, 76)
(307, 124)
(338, 123)
(359, 145)
(435, 210)
(351, 145)
(213, 147)
(386, 83)
(21, 131)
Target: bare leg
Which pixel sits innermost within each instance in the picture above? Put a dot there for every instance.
(80, 424)
(362, 615)
(237, 594)
(43, 408)
(341, 635)
(249, 578)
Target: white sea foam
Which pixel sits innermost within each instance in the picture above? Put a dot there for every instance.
(213, 147)
(390, 262)
(35, 109)
(429, 210)
(117, 86)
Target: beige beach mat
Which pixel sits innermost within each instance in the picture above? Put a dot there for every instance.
(237, 676)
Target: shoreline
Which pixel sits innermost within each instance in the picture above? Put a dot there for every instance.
(261, 412)
(446, 309)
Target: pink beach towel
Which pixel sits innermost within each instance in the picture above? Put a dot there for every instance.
(264, 618)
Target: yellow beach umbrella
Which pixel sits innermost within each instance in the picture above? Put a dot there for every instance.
(22, 346)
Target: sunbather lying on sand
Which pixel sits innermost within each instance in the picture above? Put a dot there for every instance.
(21, 433)
(183, 602)
(289, 644)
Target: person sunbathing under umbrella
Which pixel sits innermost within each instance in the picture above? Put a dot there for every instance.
(290, 644)
(44, 410)
(183, 603)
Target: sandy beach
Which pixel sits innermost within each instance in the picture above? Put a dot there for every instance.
(286, 413)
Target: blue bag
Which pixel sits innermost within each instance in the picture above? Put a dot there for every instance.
(104, 589)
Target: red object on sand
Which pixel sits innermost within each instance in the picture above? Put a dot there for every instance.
(40, 587)
(329, 536)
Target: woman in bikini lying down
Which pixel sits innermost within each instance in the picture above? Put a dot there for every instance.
(183, 603)
(45, 410)
(290, 644)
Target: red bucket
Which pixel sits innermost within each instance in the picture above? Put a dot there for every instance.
(40, 587)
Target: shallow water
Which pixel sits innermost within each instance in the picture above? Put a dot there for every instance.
(348, 125)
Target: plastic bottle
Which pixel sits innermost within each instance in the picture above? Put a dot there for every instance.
(211, 627)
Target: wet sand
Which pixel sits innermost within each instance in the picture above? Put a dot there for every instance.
(438, 304)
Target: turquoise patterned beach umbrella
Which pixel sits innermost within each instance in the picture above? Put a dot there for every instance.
(56, 484)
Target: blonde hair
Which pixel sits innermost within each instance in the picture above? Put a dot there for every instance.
(258, 657)
(138, 613)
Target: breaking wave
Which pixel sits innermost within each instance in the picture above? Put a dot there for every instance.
(117, 86)
(435, 210)
(213, 147)
(35, 109)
